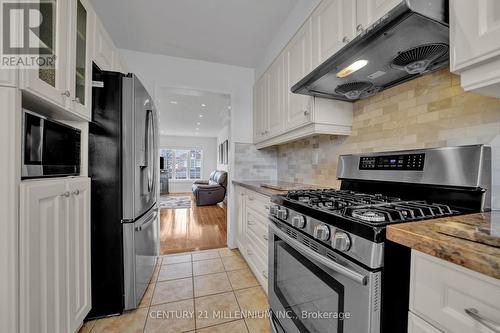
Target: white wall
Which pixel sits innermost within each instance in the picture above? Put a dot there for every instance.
(209, 147)
(297, 17)
(221, 137)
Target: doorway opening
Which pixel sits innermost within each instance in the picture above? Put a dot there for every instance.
(194, 169)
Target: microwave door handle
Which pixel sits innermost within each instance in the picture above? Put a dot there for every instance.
(355, 276)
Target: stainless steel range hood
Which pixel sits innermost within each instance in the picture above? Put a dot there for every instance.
(411, 40)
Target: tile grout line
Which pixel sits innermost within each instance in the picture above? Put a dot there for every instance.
(193, 299)
(238, 302)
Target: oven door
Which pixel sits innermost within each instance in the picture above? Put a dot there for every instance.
(312, 289)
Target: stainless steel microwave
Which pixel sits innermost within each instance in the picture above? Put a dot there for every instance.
(49, 148)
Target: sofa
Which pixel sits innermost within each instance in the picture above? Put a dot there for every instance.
(211, 191)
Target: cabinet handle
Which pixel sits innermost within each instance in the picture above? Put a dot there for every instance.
(267, 207)
(249, 252)
(250, 198)
(66, 194)
(306, 113)
(265, 237)
(76, 192)
(66, 93)
(345, 40)
(474, 314)
(264, 274)
(359, 28)
(250, 223)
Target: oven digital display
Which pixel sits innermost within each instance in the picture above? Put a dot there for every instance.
(407, 162)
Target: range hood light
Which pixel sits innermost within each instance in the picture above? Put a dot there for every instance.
(355, 66)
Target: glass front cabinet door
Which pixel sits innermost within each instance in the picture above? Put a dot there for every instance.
(80, 72)
(47, 77)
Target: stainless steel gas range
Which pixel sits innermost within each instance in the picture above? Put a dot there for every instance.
(331, 268)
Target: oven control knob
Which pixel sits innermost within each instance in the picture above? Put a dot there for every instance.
(341, 241)
(321, 232)
(282, 214)
(299, 221)
(273, 210)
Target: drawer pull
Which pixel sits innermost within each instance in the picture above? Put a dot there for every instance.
(249, 252)
(250, 223)
(474, 314)
(264, 274)
(267, 207)
(250, 198)
(66, 194)
(265, 237)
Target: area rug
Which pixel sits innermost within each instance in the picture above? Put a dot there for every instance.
(175, 202)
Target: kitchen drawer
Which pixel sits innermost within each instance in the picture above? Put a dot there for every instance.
(440, 292)
(257, 224)
(257, 261)
(418, 325)
(258, 237)
(258, 202)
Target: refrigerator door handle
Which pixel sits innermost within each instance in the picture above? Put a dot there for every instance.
(149, 148)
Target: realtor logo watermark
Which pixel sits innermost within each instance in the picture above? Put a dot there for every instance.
(28, 37)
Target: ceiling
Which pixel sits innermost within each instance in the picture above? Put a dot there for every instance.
(186, 112)
(234, 32)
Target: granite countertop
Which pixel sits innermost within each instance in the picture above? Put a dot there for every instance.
(256, 185)
(427, 237)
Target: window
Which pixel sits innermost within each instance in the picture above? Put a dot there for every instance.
(183, 164)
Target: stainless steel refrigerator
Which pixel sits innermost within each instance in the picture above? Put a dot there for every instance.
(123, 166)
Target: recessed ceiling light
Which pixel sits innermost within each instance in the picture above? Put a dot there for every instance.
(197, 129)
(173, 102)
(203, 105)
(229, 107)
(201, 116)
(198, 123)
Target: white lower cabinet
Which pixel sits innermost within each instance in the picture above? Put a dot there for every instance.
(252, 208)
(441, 294)
(418, 325)
(54, 255)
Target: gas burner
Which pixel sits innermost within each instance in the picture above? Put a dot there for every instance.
(368, 215)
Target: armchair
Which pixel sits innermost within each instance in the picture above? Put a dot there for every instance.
(212, 191)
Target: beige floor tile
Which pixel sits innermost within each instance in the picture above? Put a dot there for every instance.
(175, 271)
(237, 326)
(148, 295)
(131, 322)
(171, 317)
(211, 284)
(205, 255)
(258, 325)
(87, 326)
(176, 259)
(174, 290)
(225, 252)
(233, 263)
(156, 272)
(215, 309)
(252, 299)
(207, 266)
(242, 278)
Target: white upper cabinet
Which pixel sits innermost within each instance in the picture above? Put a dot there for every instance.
(369, 11)
(276, 93)
(8, 77)
(334, 25)
(50, 82)
(80, 69)
(475, 32)
(103, 47)
(475, 45)
(260, 108)
(298, 63)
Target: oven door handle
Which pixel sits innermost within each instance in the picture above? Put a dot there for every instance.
(355, 276)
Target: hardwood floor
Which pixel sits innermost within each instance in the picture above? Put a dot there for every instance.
(192, 229)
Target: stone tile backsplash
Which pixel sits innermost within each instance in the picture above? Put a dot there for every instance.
(253, 164)
(431, 111)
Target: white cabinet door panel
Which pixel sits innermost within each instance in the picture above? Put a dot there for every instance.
(334, 24)
(298, 64)
(43, 257)
(475, 31)
(370, 11)
(79, 301)
(418, 325)
(276, 81)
